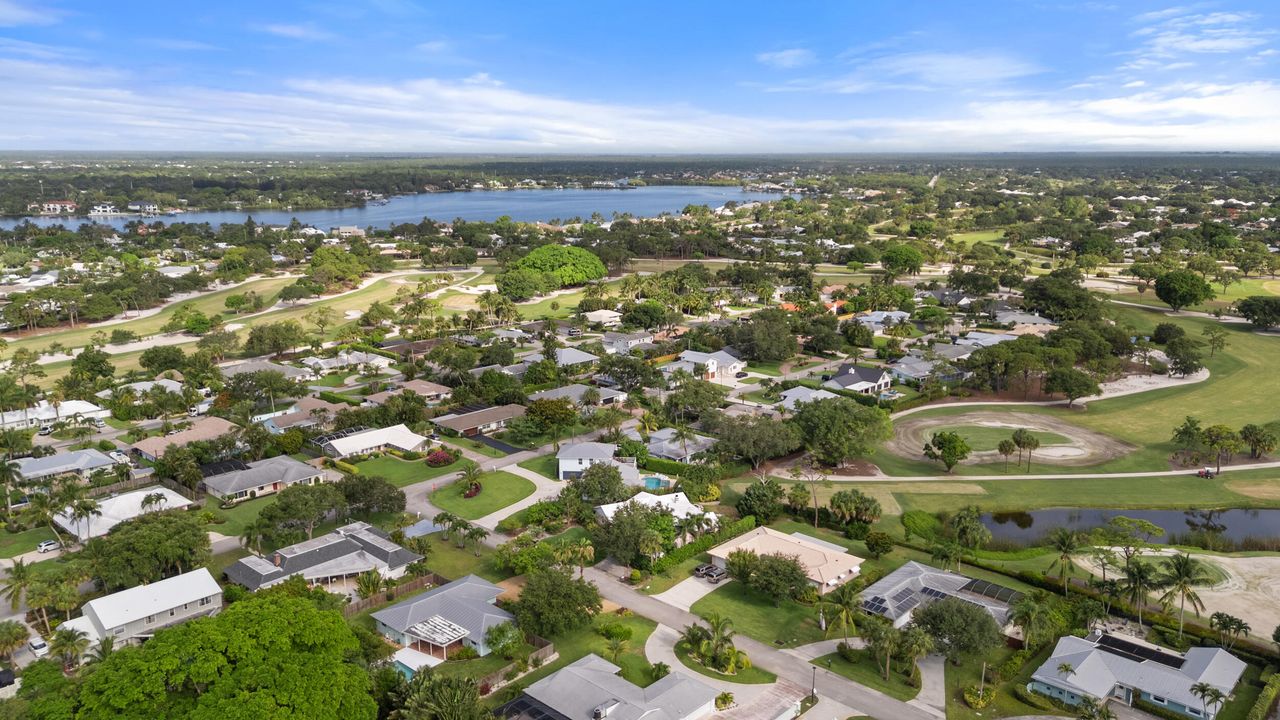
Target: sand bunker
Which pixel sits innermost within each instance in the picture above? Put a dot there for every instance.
(1083, 447)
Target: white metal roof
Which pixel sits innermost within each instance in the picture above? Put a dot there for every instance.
(142, 601)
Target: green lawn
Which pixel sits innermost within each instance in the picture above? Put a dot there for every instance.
(500, 490)
(1245, 695)
(664, 581)
(585, 640)
(544, 465)
(14, 544)
(238, 517)
(786, 625)
(475, 668)
(987, 438)
(452, 562)
(967, 674)
(968, 239)
(866, 670)
(219, 563)
(474, 446)
(335, 380)
(759, 396)
(749, 676)
(772, 369)
(402, 473)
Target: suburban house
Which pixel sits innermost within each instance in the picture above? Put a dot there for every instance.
(663, 444)
(115, 509)
(719, 365)
(914, 585)
(81, 463)
(137, 613)
(574, 393)
(865, 380)
(306, 413)
(1020, 318)
(607, 318)
(800, 394)
(590, 688)
(881, 319)
(202, 430)
(234, 480)
(481, 421)
(624, 343)
(569, 358)
(431, 626)
(326, 560)
(915, 368)
(574, 458)
(252, 366)
(433, 393)
(360, 441)
(142, 388)
(347, 359)
(45, 413)
(979, 339)
(827, 565)
(677, 503)
(1120, 668)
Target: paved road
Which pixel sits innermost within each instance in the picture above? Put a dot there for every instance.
(862, 699)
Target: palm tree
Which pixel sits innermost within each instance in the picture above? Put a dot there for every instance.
(1090, 709)
(12, 635)
(650, 543)
(617, 646)
(1139, 582)
(446, 521)
(581, 553)
(70, 645)
(843, 605)
(255, 532)
(1034, 613)
(44, 507)
(476, 535)
(17, 582)
(106, 646)
(1066, 543)
(882, 640)
(83, 510)
(1066, 669)
(9, 479)
(1182, 574)
(914, 644)
(368, 584)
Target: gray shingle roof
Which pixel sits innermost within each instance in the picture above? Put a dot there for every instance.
(280, 469)
(68, 462)
(349, 549)
(578, 689)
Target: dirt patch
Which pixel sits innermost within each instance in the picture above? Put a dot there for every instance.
(1257, 489)
(511, 588)
(888, 503)
(459, 302)
(1083, 447)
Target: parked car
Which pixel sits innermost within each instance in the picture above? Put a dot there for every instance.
(38, 646)
(702, 570)
(46, 429)
(48, 546)
(741, 374)
(716, 574)
(573, 332)
(99, 423)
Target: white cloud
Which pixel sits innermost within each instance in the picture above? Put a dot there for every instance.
(787, 59)
(434, 47)
(303, 31)
(977, 70)
(14, 13)
(1179, 31)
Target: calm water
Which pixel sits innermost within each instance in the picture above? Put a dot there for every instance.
(522, 205)
(1230, 524)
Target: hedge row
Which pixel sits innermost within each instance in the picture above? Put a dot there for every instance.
(671, 467)
(1266, 700)
(1156, 710)
(334, 397)
(704, 543)
(373, 350)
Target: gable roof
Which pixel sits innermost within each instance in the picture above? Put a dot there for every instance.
(75, 461)
(850, 375)
(575, 392)
(142, 601)
(590, 682)
(399, 436)
(800, 394)
(466, 421)
(252, 366)
(466, 603)
(587, 451)
(349, 550)
(677, 503)
(206, 428)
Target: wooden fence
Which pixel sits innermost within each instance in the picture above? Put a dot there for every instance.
(141, 482)
(544, 652)
(425, 581)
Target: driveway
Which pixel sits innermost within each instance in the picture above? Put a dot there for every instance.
(687, 592)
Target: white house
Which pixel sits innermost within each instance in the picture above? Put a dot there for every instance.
(607, 318)
(137, 613)
(865, 380)
(348, 359)
(46, 413)
(81, 463)
(573, 459)
(718, 365)
(400, 437)
(800, 394)
(677, 503)
(116, 509)
(624, 343)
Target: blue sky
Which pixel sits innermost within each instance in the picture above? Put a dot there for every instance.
(744, 76)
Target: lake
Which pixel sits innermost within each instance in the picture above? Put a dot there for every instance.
(521, 205)
(1235, 524)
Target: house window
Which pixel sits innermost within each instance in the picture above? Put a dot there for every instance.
(118, 631)
(1158, 700)
(1193, 711)
(205, 601)
(151, 619)
(173, 611)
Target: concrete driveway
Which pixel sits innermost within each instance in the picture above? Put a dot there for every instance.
(688, 591)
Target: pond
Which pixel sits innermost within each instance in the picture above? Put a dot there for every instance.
(1231, 524)
(519, 205)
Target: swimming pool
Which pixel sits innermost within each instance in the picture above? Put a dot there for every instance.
(653, 482)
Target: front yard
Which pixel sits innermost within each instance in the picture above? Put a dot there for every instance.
(474, 446)
(453, 562)
(786, 625)
(499, 489)
(402, 473)
(866, 670)
(544, 465)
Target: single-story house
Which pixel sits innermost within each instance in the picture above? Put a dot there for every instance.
(479, 422)
(677, 503)
(1120, 668)
(897, 595)
(347, 359)
(441, 621)
(566, 357)
(880, 319)
(141, 388)
(865, 380)
(81, 463)
(574, 392)
(827, 565)
(433, 393)
(290, 372)
(916, 369)
(307, 412)
(977, 338)
(331, 558)
(116, 509)
(623, 343)
(232, 480)
(663, 444)
(400, 437)
(719, 365)
(202, 430)
(574, 458)
(800, 395)
(137, 613)
(1017, 317)
(591, 688)
(608, 318)
(515, 335)
(47, 413)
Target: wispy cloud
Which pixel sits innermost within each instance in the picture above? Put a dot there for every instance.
(922, 71)
(14, 13)
(303, 31)
(1177, 32)
(787, 59)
